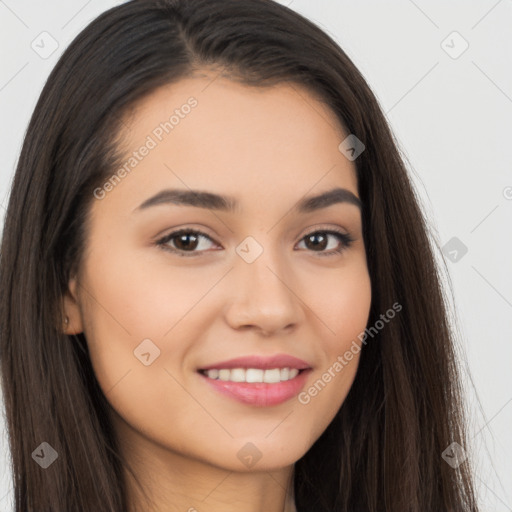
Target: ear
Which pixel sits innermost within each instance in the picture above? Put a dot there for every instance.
(72, 310)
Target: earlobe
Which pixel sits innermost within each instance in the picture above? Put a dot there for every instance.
(72, 317)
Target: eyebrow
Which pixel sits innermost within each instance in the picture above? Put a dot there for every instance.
(202, 199)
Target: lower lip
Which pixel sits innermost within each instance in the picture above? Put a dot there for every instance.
(260, 394)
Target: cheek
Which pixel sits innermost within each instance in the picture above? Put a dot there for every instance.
(134, 307)
(129, 308)
(341, 303)
(133, 298)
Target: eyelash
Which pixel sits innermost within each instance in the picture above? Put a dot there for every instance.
(345, 239)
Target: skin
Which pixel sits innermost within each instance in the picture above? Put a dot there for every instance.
(267, 147)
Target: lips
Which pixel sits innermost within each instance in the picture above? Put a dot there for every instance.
(231, 378)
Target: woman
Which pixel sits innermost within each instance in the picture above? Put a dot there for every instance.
(218, 287)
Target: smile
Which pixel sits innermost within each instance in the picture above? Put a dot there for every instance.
(259, 393)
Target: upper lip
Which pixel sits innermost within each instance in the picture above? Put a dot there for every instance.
(263, 362)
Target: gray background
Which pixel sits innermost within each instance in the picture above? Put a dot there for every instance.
(451, 112)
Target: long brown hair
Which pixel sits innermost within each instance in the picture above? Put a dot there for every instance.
(383, 450)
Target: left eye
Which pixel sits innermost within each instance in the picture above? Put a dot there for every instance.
(320, 239)
(187, 241)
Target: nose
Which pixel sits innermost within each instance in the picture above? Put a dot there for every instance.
(263, 296)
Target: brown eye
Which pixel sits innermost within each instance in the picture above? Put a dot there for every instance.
(184, 241)
(318, 241)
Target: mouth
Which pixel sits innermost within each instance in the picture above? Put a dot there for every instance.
(256, 380)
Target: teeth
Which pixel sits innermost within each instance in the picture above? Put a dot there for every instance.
(213, 374)
(272, 376)
(253, 374)
(237, 375)
(224, 374)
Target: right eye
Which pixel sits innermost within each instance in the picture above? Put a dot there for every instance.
(183, 241)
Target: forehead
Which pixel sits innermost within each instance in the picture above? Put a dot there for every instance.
(211, 133)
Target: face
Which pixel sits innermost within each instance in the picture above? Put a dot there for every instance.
(171, 285)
